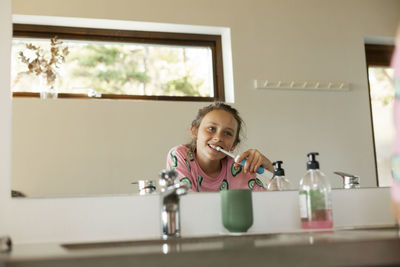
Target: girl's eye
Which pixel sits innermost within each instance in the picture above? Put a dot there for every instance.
(228, 134)
(211, 129)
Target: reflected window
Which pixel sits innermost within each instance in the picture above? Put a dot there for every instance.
(381, 92)
(123, 64)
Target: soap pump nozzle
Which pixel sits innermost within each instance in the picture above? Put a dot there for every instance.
(312, 163)
(278, 181)
(278, 171)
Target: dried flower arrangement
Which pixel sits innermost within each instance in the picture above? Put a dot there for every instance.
(43, 65)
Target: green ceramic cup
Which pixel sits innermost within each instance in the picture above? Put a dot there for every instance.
(237, 210)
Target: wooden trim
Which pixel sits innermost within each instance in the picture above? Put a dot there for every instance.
(127, 36)
(373, 129)
(80, 33)
(115, 96)
(378, 55)
(219, 71)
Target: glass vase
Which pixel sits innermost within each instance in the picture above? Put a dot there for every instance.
(47, 91)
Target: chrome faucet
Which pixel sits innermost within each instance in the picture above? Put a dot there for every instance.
(350, 181)
(170, 191)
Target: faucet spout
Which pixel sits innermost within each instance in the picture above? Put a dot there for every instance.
(350, 181)
(171, 190)
(178, 189)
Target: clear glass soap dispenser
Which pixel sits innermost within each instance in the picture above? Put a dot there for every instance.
(315, 197)
(278, 181)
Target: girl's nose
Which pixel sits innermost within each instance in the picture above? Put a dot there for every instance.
(218, 136)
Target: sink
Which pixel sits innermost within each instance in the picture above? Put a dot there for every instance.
(361, 246)
(245, 240)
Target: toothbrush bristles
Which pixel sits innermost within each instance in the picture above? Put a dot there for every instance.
(216, 147)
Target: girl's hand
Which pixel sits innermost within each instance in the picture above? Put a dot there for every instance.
(254, 159)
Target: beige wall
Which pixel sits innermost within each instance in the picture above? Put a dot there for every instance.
(276, 40)
(5, 112)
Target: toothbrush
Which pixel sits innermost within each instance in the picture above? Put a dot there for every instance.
(259, 171)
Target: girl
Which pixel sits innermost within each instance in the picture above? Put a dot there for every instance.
(208, 170)
(395, 190)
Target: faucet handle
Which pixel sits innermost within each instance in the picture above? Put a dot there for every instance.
(167, 178)
(349, 180)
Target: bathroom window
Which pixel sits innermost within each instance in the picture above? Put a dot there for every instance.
(381, 92)
(123, 64)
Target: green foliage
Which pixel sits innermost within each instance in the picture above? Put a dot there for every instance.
(381, 85)
(110, 67)
(135, 75)
(182, 85)
(95, 55)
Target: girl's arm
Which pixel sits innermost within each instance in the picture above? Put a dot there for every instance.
(180, 163)
(255, 159)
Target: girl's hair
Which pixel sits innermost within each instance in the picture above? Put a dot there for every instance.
(216, 106)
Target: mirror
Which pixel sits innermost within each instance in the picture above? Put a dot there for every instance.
(70, 147)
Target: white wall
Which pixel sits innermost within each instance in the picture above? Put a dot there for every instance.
(102, 146)
(5, 113)
(328, 52)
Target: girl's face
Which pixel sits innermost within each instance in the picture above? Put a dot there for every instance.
(218, 128)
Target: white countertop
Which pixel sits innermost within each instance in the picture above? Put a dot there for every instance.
(214, 246)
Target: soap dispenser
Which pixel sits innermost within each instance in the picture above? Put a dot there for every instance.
(278, 181)
(315, 197)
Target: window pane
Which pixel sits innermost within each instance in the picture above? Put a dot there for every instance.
(122, 68)
(382, 97)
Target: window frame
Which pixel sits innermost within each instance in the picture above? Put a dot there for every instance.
(212, 41)
(379, 55)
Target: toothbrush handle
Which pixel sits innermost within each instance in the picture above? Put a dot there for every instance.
(259, 171)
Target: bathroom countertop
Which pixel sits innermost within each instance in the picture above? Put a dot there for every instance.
(345, 247)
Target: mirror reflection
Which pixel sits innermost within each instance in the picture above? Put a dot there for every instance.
(82, 146)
